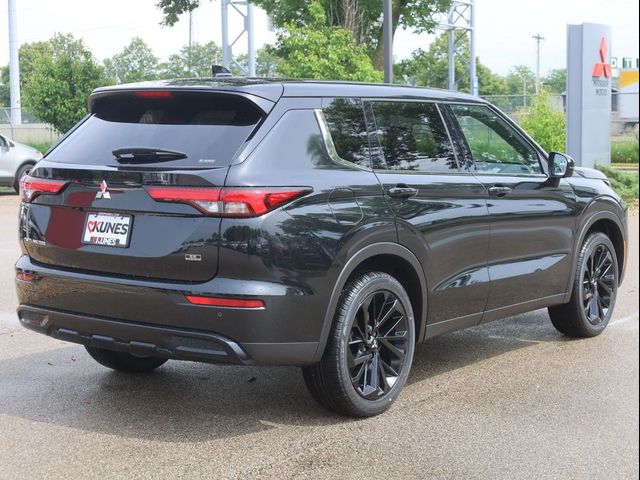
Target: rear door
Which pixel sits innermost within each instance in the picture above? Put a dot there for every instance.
(172, 145)
(440, 208)
(532, 217)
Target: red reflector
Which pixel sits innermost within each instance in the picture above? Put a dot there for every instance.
(31, 187)
(25, 277)
(153, 94)
(224, 302)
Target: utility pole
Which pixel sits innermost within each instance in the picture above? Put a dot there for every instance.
(538, 38)
(14, 66)
(459, 22)
(190, 38)
(387, 36)
(227, 43)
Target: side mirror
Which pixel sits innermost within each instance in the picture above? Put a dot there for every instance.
(560, 165)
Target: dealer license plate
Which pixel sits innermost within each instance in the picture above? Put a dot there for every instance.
(107, 229)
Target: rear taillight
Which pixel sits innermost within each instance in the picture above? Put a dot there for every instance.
(228, 202)
(31, 187)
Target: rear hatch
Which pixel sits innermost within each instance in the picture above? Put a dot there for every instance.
(89, 206)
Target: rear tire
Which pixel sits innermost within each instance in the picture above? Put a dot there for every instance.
(24, 170)
(124, 362)
(594, 292)
(369, 351)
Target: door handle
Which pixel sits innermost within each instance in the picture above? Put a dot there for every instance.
(499, 191)
(402, 191)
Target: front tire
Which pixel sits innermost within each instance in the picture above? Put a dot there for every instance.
(594, 290)
(124, 362)
(369, 350)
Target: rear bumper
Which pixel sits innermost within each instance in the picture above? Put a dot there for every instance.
(138, 339)
(154, 318)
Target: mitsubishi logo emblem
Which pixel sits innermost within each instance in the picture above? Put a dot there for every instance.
(104, 191)
(602, 68)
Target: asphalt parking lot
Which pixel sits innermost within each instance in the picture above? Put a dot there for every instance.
(513, 399)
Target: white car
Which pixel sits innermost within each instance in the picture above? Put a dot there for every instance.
(16, 160)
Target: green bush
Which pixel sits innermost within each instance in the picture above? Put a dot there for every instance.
(545, 124)
(624, 152)
(42, 147)
(625, 183)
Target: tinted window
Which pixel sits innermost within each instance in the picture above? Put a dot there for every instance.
(345, 119)
(413, 137)
(495, 146)
(208, 128)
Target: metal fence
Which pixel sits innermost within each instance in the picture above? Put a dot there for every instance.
(624, 108)
(31, 130)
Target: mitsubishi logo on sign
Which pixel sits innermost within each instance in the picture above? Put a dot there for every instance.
(104, 191)
(602, 68)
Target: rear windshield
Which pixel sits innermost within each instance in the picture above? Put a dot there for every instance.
(208, 128)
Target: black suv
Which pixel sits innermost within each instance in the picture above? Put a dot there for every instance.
(321, 224)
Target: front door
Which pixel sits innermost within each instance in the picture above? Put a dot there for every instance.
(441, 210)
(533, 218)
(6, 161)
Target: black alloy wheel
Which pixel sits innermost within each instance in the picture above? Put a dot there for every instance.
(377, 344)
(594, 290)
(370, 348)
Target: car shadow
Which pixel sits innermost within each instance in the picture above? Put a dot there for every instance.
(192, 402)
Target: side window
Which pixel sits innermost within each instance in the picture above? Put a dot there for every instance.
(348, 129)
(413, 137)
(495, 146)
(3, 142)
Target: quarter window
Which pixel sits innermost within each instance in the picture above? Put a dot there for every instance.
(413, 137)
(495, 146)
(348, 129)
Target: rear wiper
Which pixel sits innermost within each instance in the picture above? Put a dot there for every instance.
(146, 155)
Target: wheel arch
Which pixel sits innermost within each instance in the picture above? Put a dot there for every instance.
(609, 223)
(390, 258)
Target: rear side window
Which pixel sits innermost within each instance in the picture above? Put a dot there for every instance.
(208, 128)
(413, 137)
(348, 129)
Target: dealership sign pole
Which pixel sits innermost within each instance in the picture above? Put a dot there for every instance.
(589, 75)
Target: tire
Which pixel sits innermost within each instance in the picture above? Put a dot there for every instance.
(24, 170)
(124, 362)
(342, 380)
(594, 292)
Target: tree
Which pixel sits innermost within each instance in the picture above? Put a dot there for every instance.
(323, 52)
(61, 81)
(267, 62)
(520, 80)
(556, 80)
(30, 53)
(361, 17)
(546, 124)
(194, 61)
(431, 68)
(135, 63)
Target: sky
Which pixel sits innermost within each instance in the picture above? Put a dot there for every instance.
(504, 28)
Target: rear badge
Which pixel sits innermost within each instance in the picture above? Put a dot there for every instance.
(104, 191)
(192, 257)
